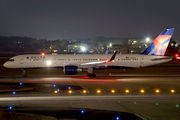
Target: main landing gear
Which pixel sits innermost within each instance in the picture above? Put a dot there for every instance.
(24, 73)
(90, 72)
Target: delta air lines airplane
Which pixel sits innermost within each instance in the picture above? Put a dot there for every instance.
(72, 64)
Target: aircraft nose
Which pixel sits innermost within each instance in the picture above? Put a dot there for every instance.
(5, 64)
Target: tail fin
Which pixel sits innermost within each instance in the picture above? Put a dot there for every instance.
(159, 45)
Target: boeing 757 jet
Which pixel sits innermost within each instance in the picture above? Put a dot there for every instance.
(72, 64)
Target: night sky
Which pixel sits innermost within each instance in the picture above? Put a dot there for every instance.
(58, 19)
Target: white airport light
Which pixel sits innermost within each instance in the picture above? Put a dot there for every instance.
(110, 44)
(147, 39)
(48, 62)
(83, 49)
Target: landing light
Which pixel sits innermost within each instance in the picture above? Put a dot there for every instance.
(48, 62)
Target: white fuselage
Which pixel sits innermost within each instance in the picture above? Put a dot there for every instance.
(61, 60)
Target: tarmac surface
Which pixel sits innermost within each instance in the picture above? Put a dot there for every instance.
(139, 96)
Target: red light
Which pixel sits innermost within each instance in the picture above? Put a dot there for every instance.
(177, 55)
(42, 54)
(106, 61)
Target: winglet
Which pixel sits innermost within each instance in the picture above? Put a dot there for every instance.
(113, 57)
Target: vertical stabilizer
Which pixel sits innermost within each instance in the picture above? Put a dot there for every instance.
(159, 45)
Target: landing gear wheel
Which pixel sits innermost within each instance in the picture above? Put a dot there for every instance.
(93, 75)
(24, 73)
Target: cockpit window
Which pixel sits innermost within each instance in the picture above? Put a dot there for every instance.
(12, 60)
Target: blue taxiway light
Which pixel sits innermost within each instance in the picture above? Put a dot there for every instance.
(20, 83)
(58, 90)
(117, 118)
(10, 107)
(82, 111)
(54, 85)
(14, 93)
(69, 88)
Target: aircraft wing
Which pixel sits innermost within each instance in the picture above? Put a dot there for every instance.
(95, 63)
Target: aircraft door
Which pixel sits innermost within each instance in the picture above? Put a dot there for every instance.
(22, 61)
(142, 60)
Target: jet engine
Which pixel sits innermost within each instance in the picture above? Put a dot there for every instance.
(70, 70)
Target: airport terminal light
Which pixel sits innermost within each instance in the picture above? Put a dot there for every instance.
(147, 39)
(110, 44)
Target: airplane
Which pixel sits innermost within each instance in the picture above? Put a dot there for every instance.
(72, 64)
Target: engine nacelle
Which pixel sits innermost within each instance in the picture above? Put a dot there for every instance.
(70, 70)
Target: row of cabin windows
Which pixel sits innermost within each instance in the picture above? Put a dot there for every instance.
(79, 59)
(91, 59)
(37, 57)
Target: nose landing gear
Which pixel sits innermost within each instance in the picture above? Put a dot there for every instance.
(24, 73)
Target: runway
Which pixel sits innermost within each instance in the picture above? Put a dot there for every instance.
(149, 104)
